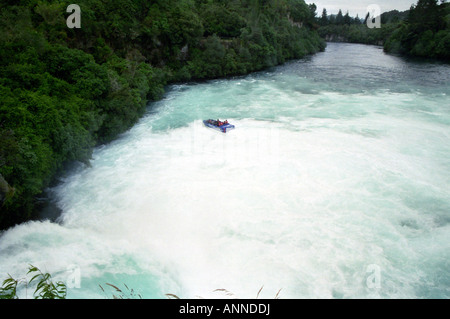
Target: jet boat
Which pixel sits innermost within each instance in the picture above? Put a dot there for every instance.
(219, 125)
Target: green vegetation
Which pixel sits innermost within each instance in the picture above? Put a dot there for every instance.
(227, 293)
(121, 294)
(343, 28)
(422, 31)
(425, 33)
(64, 91)
(45, 287)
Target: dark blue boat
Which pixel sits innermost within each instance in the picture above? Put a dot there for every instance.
(219, 125)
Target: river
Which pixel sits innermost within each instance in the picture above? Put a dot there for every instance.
(335, 184)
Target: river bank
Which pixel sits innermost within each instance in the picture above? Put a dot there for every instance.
(421, 32)
(333, 185)
(73, 89)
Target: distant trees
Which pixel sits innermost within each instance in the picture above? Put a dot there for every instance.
(338, 19)
(324, 18)
(423, 31)
(344, 28)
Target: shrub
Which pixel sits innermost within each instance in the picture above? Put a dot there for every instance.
(45, 287)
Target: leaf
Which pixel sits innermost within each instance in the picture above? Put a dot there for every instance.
(34, 277)
(257, 295)
(32, 269)
(117, 289)
(278, 293)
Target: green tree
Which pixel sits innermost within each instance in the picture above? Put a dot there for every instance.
(340, 18)
(425, 32)
(324, 18)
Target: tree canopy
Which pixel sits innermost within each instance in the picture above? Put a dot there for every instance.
(425, 32)
(64, 91)
(422, 31)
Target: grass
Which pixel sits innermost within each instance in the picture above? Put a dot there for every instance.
(228, 293)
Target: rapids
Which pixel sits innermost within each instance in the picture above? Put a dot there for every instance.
(335, 184)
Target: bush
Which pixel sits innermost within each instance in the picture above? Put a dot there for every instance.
(45, 288)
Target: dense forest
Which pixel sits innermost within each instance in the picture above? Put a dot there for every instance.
(425, 32)
(422, 31)
(343, 28)
(63, 91)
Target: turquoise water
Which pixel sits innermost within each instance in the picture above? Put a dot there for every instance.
(335, 184)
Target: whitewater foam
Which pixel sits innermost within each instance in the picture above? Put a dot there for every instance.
(320, 193)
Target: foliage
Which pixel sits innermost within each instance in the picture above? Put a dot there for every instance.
(425, 33)
(64, 91)
(422, 31)
(357, 33)
(344, 28)
(9, 288)
(45, 287)
(227, 293)
(120, 294)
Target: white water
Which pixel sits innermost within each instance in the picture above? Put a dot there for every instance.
(335, 184)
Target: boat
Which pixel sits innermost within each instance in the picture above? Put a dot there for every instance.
(219, 125)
